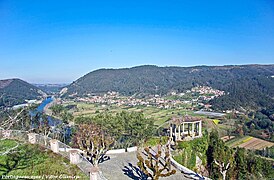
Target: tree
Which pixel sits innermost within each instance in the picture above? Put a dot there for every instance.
(240, 163)
(223, 167)
(57, 109)
(41, 125)
(218, 155)
(93, 141)
(12, 118)
(8, 120)
(154, 166)
(66, 116)
(128, 129)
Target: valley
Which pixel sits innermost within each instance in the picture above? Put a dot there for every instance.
(145, 119)
(137, 90)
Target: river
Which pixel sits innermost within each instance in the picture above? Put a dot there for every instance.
(41, 107)
(52, 121)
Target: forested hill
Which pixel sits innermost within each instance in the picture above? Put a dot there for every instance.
(245, 85)
(16, 91)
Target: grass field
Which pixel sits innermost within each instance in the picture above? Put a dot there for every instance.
(222, 126)
(32, 160)
(249, 142)
(159, 115)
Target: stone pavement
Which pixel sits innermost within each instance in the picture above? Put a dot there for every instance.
(124, 166)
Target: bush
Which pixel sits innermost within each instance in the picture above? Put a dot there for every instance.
(153, 141)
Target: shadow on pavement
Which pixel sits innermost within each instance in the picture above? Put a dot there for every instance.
(134, 172)
(103, 159)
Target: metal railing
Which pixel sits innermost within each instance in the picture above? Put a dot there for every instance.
(84, 165)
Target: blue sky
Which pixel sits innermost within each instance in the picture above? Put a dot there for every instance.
(59, 41)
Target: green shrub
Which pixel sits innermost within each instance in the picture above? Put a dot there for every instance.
(153, 141)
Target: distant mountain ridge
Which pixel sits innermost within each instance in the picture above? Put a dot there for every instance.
(245, 85)
(51, 88)
(16, 91)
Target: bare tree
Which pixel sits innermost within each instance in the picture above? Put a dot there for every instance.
(223, 168)
(41, 125)
(11, 120)
(7, 123)
(156, 164)
(93, 141)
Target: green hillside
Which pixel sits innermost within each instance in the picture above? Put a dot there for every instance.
(16, 91)
(249, 86)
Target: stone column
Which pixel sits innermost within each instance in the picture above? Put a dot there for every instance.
(74, 157)
(179, 129)
(175, 132)
(94, 173)
(170, 131)
(32, 138)
(54, 145)
(183, 128)
(196, 128)
(193, 127)
(200, 128)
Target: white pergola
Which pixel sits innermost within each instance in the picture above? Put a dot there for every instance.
(185, 126)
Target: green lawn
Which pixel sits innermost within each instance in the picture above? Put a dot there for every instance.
(32, 160)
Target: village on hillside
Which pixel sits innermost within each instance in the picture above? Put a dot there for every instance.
(197, 96)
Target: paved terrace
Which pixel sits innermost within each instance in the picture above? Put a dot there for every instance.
(124, 166)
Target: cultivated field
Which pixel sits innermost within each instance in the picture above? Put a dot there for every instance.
(249, 142)
(226, 138)
(159, 115)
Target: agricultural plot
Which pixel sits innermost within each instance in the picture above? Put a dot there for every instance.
(159, 115)
(249, 142)
(227, 138)
(255, 143)
(223, 126)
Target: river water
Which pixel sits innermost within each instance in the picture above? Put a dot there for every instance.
(41, 107)
(52, 121)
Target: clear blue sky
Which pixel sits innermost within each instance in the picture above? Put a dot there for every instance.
(58, 41)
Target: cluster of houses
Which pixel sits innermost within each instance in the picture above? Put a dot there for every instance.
(114, 98)
(111, 98)
(207, 93)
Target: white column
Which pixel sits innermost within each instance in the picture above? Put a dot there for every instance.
(179, 129)
(175, 130)
(183, 129)
(74, 157)
(170, 131)
(32, 138)
(54, 145)
(188, 126)
(193, 134)
(200, 128)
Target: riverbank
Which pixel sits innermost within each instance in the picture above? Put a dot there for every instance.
(47, 109)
